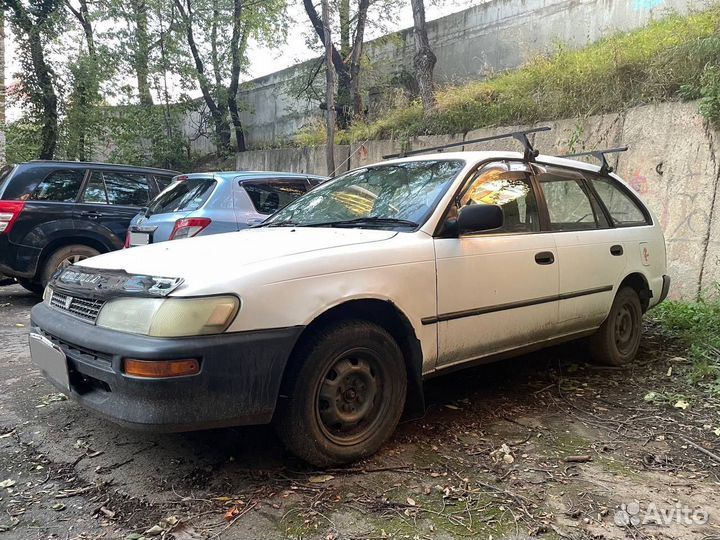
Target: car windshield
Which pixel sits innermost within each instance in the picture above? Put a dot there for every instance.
(383, 196)
(184, 195)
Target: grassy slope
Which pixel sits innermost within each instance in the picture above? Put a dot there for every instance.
(663, 61)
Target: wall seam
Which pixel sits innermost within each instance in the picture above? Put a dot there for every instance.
(713, 204)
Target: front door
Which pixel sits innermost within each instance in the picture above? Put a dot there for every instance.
(497, 290)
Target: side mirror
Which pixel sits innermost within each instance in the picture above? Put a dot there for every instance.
(477, 218)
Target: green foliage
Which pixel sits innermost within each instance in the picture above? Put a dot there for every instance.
(147, 135)
(696, 325)
(659, 62)
(23, 140)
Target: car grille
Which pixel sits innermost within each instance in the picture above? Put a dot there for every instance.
(84, 309)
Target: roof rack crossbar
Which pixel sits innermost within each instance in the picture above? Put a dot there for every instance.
(600, 155)
(520, 136)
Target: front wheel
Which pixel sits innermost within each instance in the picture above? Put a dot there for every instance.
(347, 396)
(617, 341)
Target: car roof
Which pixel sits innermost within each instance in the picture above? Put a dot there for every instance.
(97, 165)
(252, 175)
(472, 156)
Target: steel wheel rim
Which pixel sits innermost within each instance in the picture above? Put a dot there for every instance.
(626, 328)
(69, 261)
(349, 402)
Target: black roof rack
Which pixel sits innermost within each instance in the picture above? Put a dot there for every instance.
(520, 136)
(605, 167)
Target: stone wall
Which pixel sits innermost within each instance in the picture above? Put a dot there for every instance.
(672, 164)
(493, 36)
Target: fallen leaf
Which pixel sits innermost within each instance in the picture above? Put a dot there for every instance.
(222, 499)
(411, 502)
(452, 407)
(7, 483)
(508, 458)
(20, 325)
(681, 404)
(321, 478)
(716, 431)
(650, 396)
(58, 507)
(232, 513)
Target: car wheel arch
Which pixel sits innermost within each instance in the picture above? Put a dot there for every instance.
(639, 283)
(63, 241)
(387, 315)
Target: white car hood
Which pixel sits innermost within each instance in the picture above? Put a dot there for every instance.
(220, 257)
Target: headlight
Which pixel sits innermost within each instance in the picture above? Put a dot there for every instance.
(169, 317)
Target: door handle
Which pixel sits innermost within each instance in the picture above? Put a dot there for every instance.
(617, 250)
(545, 257)
(91, 215)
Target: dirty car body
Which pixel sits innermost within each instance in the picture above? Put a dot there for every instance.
(326, 319)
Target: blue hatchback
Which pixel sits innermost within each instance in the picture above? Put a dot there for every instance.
(212, 203)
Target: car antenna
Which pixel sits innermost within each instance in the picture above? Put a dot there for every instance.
(605, 167)
(521, 136)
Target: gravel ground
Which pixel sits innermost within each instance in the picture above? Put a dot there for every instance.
(543, 445)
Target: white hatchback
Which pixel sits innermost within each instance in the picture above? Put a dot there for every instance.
(326, 319)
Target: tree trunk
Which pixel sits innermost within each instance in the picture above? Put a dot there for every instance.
(142, 53)
(329, 90)
(238, 42)
(48, 97)
(344, 105)
(424, 60)
(356, 57)
(217, 112)
(43, 73)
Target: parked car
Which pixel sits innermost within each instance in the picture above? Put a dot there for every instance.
(327, 318)
(211, 203)
(55, 213)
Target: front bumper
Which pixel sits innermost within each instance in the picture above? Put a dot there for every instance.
(238, 383)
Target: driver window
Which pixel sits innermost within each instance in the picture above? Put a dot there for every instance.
(507, 185)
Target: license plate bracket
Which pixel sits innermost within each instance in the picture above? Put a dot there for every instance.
(50, 359)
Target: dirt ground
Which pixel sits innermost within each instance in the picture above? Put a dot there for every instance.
(543, 445)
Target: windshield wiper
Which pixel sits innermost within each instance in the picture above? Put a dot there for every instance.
(370, 220)
(284, 223)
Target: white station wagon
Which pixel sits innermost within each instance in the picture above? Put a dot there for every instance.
(326, 319)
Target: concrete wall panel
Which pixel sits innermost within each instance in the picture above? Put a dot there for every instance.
(672, 167)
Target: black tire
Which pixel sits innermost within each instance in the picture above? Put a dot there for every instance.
(346, 394)
(32, 286)
(617, 341)
(64, 256)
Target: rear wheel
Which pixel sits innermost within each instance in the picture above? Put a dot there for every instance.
(347, 396)
(63, 257)
(617, 341)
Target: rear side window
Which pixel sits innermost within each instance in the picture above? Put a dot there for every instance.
(624, 211)
(183, 196)
(58, 186)
(122, 189)
(4, 174)
(569, 204)
(270, 196)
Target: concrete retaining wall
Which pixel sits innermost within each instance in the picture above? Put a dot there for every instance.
(493, 36)
(672, 164)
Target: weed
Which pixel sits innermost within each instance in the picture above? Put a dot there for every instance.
(696, 325)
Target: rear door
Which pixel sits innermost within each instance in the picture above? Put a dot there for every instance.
(110, 200)
(256, 200)
(591, 257)
(49, 205)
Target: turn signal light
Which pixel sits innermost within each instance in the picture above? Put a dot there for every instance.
(158, 369)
